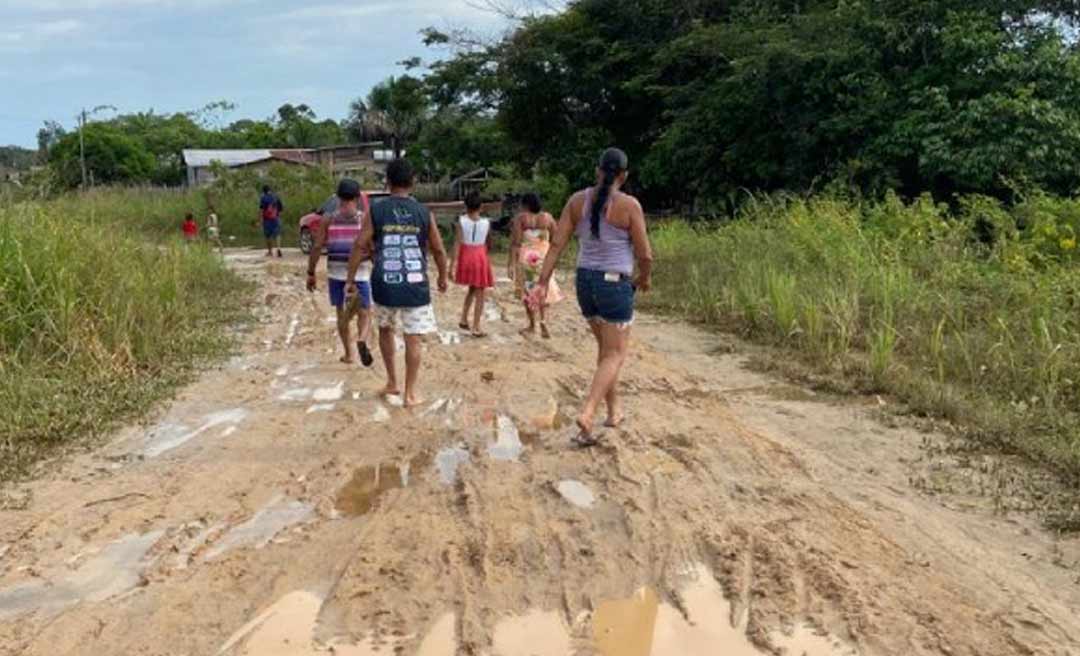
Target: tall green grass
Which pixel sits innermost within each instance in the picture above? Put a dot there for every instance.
(972, 315)
(96, 322)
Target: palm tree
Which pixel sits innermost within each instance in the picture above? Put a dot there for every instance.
(393, 111)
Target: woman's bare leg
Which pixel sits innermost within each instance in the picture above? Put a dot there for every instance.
(464, 323)
(612, 341)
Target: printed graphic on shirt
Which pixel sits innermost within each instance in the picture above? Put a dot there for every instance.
(394, 240)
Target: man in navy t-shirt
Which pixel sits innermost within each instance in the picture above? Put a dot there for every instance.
(270, 209)
(399, 233)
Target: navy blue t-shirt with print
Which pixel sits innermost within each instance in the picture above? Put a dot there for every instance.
(400, 277)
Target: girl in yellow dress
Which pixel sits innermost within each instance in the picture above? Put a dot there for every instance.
(530, 241)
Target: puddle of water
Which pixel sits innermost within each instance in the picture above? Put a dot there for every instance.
(447, 462)
(396, 401)
(283, 629)
(434, 407)
(449, 338)
(321, 407)
(492, 312)
(625, 627)
(169, 436)
(228, 431)
(381, 415)
(117, 568)
(369, 483)
(441, 640)
(643, 626)
(536, 633)
(290, 334)
(287, 628)
(332, 393)
(507, 446)
(299, 394)
(577, 493)
(282, 371)
(258, 531)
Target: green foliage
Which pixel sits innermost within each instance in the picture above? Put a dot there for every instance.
(712, 97)
(111, 157)
(14, 157)
(906, 299)
(97, 324)
(394, 111)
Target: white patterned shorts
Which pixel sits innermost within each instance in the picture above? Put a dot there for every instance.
(414, 320)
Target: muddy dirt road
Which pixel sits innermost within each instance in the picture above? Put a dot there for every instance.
(277, 507)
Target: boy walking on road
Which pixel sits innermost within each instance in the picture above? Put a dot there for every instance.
(338, 233)
(270, 209)
(400, 232)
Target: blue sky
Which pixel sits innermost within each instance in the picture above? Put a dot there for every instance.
(57, 56)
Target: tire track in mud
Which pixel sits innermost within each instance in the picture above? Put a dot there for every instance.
(335, 528)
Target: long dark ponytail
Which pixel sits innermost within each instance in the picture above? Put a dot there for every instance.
(612, 163)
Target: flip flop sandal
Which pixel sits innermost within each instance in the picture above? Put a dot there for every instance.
(583, 441)
(365, 355)
(463, 326)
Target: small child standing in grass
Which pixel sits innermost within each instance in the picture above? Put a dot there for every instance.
(472, 233)
(213, 232)
(190, 228)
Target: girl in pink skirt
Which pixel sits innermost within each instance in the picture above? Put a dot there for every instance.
(470, 264)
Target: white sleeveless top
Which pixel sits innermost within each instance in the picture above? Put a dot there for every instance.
(474, 233)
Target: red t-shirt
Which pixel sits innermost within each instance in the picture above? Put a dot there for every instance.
(191, 229)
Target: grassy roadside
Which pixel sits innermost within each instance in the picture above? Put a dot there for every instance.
(971, 316)
(97, 323)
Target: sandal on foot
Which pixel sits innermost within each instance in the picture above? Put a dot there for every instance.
(365, 355)
(585, 440)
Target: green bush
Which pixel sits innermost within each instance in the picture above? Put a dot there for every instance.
(973, 314)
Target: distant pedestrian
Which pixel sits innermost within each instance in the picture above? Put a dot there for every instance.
(337, 234)
(610, 228)
(213, 231)
(270, 209)
(530, 240)
(470, 262)
(400, 232)
(190, 228)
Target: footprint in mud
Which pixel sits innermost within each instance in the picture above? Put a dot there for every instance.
(117, 568)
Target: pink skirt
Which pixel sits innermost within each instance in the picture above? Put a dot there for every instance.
(474, 268)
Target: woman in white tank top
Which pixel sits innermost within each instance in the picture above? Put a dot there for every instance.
(470, 263)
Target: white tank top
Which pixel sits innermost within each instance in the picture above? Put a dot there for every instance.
(474, 233)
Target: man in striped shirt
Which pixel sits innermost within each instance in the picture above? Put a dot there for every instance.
(337, 234)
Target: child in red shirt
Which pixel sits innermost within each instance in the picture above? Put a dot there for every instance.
(190, 228)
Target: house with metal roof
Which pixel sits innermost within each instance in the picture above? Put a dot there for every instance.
(339, 160)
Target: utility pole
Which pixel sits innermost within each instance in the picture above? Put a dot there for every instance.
(82, 146)
(82, 119)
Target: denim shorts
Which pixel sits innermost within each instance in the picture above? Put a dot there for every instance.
(605, 297)
(271, 228)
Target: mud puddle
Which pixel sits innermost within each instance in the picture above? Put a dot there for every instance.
(447, 462)
(288, 628)
(576, 493)
(537, 633)
(643, 625)
(258, 531)
(168, 436)
(507, 446)
(116, 569)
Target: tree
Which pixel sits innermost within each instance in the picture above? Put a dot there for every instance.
(111, 157)
(393, 111)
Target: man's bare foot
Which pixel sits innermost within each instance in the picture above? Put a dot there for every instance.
(544, 332)
(463, 325)
(346, 359)
(390, 390)
(414, 401)
(479, 334)
(615, 420)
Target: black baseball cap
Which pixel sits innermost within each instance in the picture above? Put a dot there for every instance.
(348, 189)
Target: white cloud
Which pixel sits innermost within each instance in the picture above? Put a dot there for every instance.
(32, 36)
